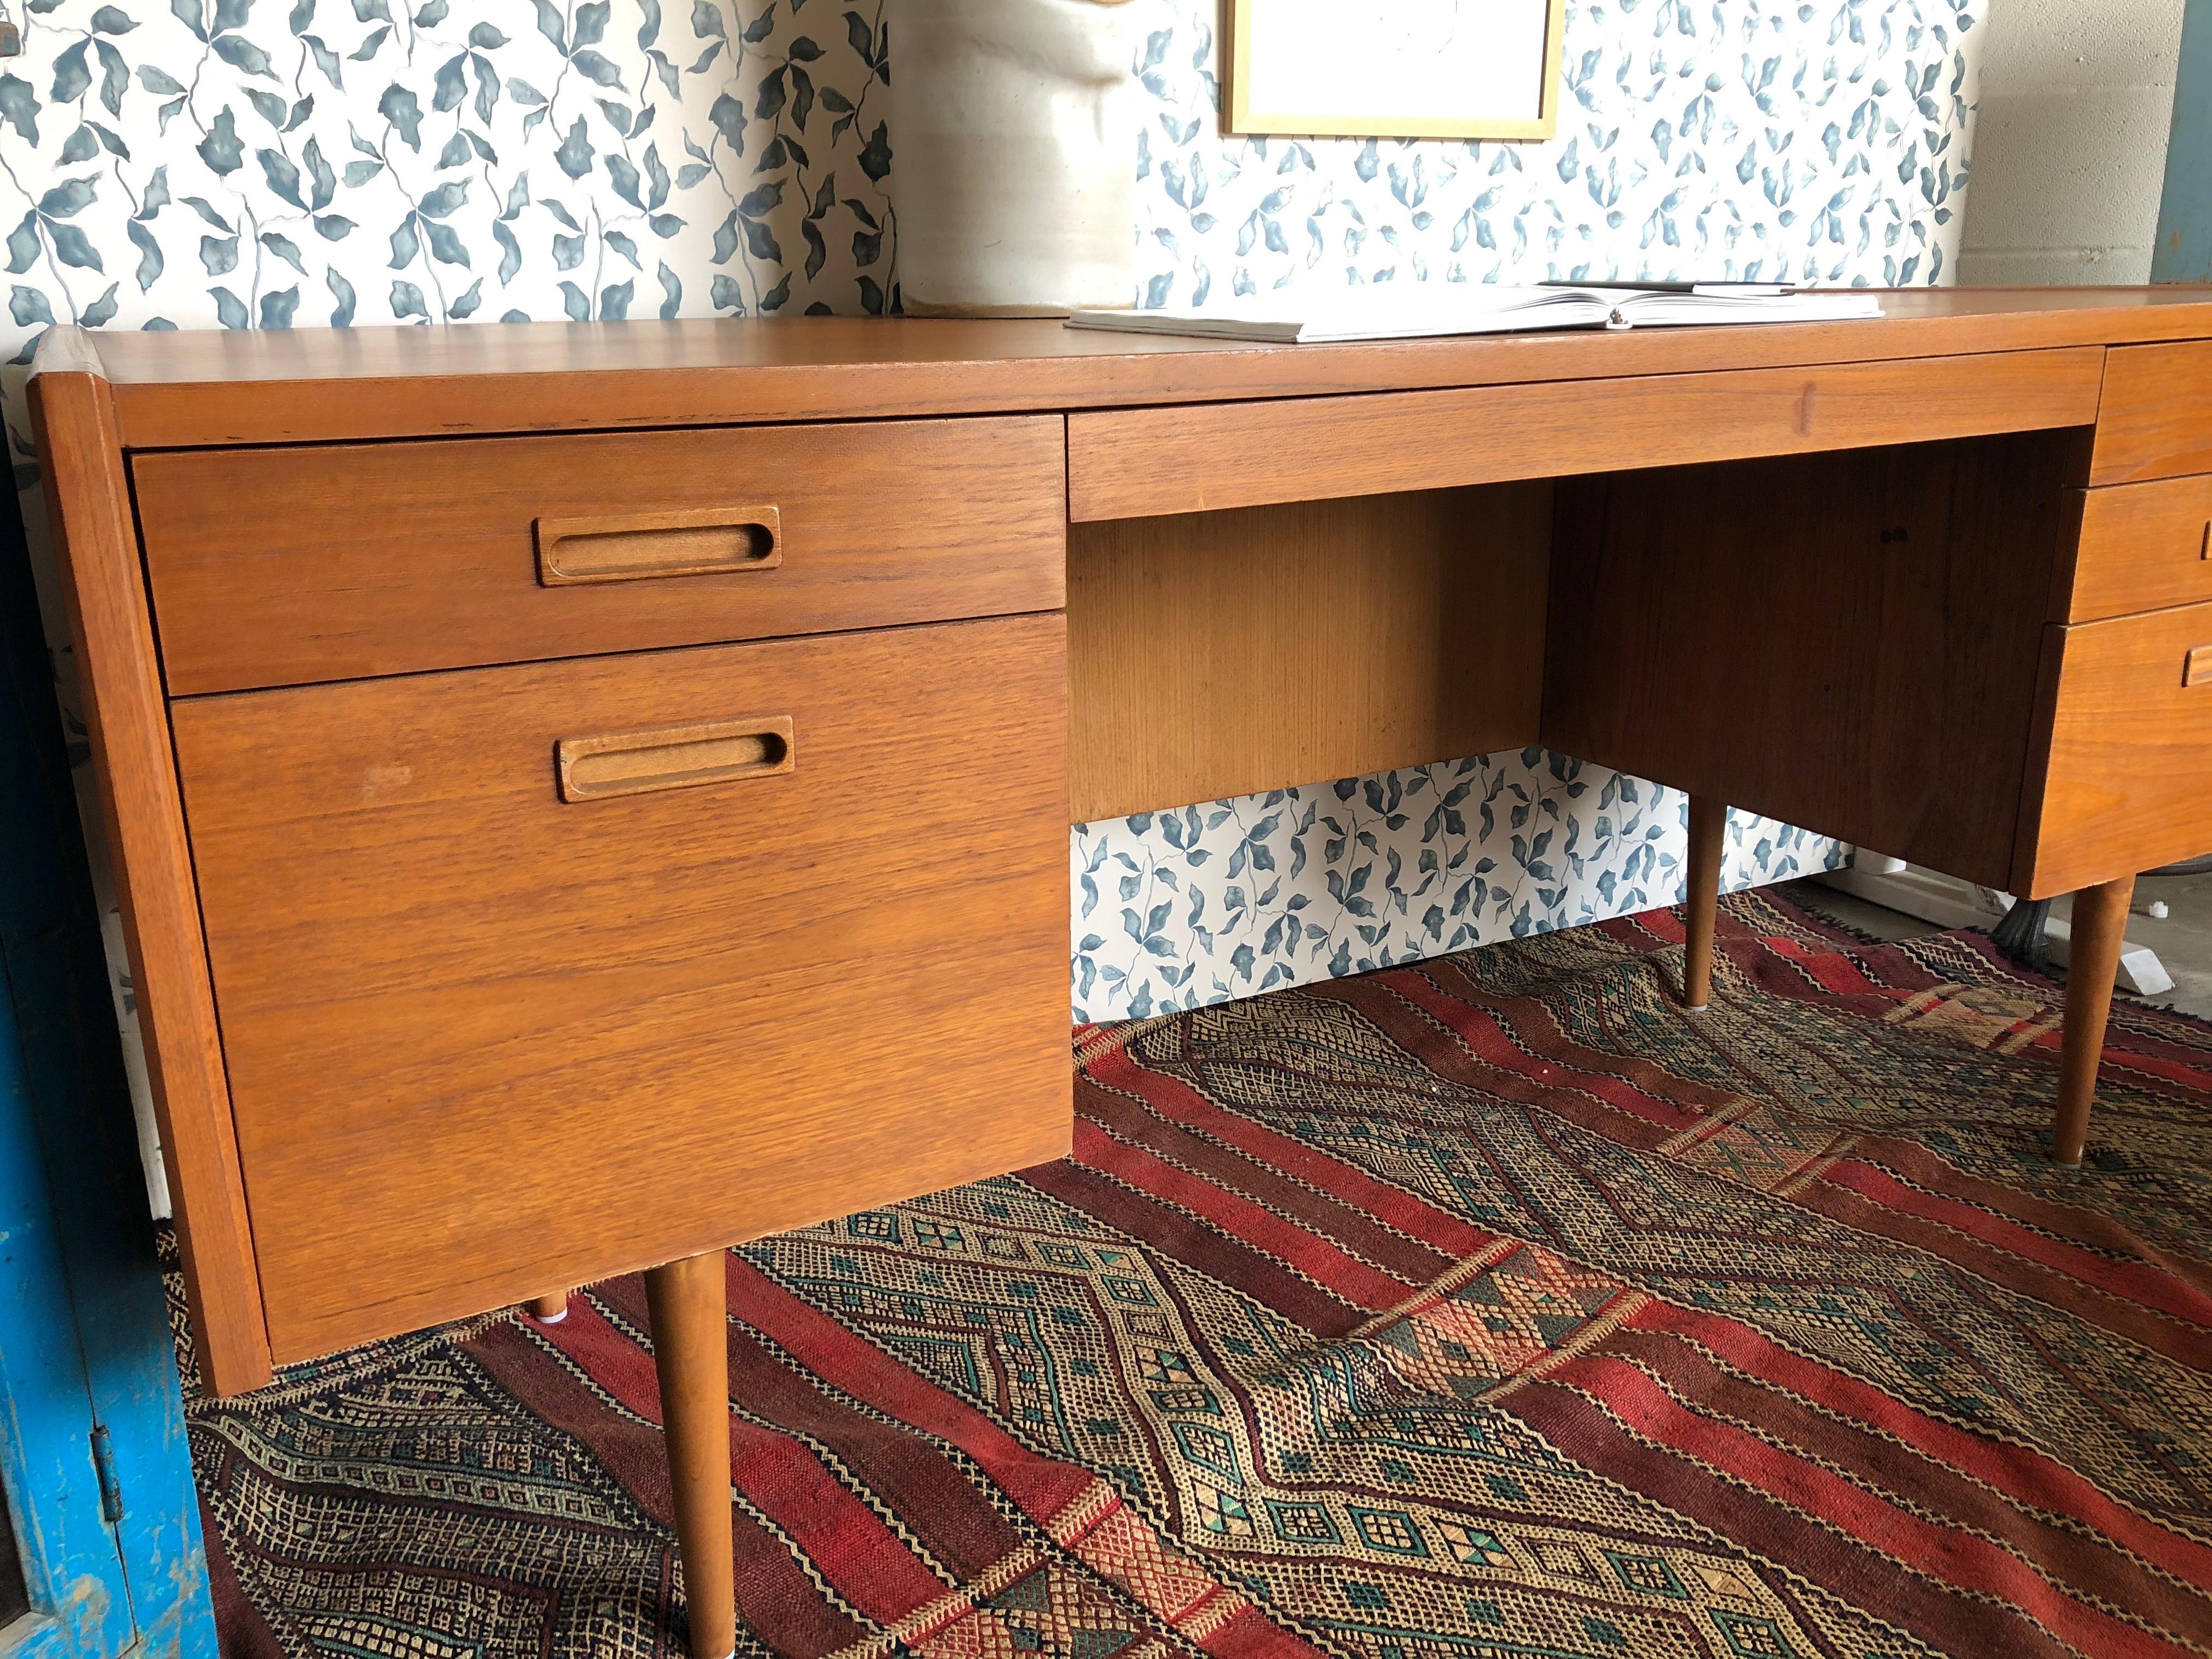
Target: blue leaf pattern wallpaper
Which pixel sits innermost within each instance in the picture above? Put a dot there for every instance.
(254, 164)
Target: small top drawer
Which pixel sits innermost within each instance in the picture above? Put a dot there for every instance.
(284, 566)
(2155, 419)
(2143, 547)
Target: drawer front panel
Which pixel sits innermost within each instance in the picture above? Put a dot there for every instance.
(2130, 777)
(2143, 547)
(2154, 420)
(281, 566)
(1143, 462)
(785, 954)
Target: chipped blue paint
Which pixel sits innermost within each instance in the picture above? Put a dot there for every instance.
(84, 1340)
(2184, 252)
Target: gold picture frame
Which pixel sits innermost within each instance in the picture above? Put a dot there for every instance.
(1247, 118)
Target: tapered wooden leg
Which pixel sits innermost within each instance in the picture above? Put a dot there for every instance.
(689, 1305)
(549, 1310)
(1708, 833)
(2093, 960)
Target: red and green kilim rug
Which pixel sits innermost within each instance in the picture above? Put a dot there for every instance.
(1491, 1306)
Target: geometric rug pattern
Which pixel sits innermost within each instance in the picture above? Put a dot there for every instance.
(1488, 1306)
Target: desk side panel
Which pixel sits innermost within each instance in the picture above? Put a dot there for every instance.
(89, 502)
(1850, 642)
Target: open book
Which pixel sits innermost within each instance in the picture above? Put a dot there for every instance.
(1395, 311)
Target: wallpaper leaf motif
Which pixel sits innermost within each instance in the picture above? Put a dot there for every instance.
(1818, 142)
(1182, 908)
(344, 162)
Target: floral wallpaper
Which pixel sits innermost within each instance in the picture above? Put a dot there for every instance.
(1179, 909)
(1817, 143)
(312, 163)
(236, 164)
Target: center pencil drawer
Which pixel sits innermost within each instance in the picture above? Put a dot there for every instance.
(529, 976)
(283, 566)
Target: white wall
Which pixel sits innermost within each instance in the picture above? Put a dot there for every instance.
(2069, 151)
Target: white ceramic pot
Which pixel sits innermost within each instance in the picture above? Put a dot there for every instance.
(1014, 125)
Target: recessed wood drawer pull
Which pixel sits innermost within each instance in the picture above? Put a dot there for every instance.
(2197, 666)
(628, 547)
(674, 757)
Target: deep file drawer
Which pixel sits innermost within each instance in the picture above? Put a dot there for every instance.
(2128, 772)
(2141, 547)
(284, 566)
(528, 975)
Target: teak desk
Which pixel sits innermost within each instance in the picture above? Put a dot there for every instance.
(564, 780)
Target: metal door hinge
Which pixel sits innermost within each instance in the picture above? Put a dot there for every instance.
(103, 1464)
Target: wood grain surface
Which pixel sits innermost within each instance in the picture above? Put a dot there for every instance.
(483, 1041)
(1848, 642)
(1128, 463)
(2142, 547)
(688, 1305)
(2130, 751)
(1223, 653)
(2099, 933)
(2156, 420)
(88, 503)
(1701, 877)
(226, 387)
(275, 567)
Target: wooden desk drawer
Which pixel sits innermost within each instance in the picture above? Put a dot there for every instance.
(1198, 458)
(484, 1041)
(2142, 547)
(278, 567)
(2154, 420)
(2130, 777)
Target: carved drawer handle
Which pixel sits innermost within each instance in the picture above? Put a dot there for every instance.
(674, 757)
(2197, 666)
(625, 547)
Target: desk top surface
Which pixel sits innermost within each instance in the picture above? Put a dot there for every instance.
(268, 386)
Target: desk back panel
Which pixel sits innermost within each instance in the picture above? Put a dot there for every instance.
(1849, 640)
(1224, 654)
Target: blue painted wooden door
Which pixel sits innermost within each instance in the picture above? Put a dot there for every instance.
(2184, 252)
(92, 1456)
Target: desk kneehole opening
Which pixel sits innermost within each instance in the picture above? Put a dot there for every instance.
(674, 757)
(626, 547)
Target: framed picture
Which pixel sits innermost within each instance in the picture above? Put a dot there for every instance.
(1396, 69)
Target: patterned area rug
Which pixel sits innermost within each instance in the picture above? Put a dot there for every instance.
(1488, 1307)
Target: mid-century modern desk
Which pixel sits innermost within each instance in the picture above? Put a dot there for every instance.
(563, 779)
